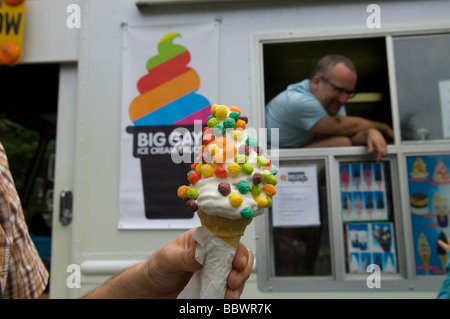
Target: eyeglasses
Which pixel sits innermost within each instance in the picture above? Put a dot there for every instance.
(338, 89)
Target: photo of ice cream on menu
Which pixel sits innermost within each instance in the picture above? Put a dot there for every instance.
(363, 191)
(429, 195)
(370, 243)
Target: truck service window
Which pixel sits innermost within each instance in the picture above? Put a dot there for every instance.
(292, 62)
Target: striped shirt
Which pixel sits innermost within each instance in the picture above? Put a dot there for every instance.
(22, 272)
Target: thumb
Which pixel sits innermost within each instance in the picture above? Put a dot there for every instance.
(189, 261)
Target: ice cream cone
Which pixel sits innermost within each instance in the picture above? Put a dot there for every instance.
(443, 260)
(230, 183)
(424, 251)
(379, 184)
(229, 230)
(358, 206)
(426, 262)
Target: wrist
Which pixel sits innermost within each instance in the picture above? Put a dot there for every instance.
(142, 282)
(385, 129)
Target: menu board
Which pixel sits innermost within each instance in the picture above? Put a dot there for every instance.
(429, 194)
(363, 191)
(370, 243)
(368, 228)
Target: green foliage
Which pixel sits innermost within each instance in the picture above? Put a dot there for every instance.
(20, 144)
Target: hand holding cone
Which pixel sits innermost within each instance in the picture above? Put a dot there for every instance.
(231, 182)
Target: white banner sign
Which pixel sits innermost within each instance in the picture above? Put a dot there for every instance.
(169, 81)
(297, 200)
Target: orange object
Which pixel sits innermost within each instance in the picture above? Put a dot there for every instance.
(164, 94)
(235, 109)
(240, 124)
(13, 2)
(182, 190)
(219, 158)
(221, 141)
(12, 14)
(230, 151)
(9, 53)
(269, 190)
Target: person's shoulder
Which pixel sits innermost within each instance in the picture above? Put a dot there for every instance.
(300, 87)
(299, 93)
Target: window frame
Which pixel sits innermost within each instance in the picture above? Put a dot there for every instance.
(406, 279)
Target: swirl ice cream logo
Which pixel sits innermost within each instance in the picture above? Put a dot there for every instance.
(167, 104)
(169, 89)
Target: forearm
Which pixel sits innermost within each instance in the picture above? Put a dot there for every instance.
(128, 284)
(360, 138)
(348, 126)
(356, 125)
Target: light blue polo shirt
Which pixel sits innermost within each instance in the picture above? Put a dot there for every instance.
(294, 111)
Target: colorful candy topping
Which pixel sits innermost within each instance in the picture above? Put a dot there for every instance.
(243, 187)
(194, 177)
(192, 193)
(224, 188)
(220, 172)
(234, 168)
(235, 199)
(192, 205)
(182, 190)
(238, 165)
(246, 213)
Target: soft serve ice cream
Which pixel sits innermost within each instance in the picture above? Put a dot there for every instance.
(232, 178)
(230, 183)
(419, 169)
(441, 172)
(424, 250)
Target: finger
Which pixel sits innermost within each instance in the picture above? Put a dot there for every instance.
(247, 272)
(384, 151)
(380, 153)
(241, 257)
(380, 150)
(191, 260)
(240, 264)
(186, 246)
(375, 151)
(232, 294)
(249, 266)
(237, 278)
(369, 147)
